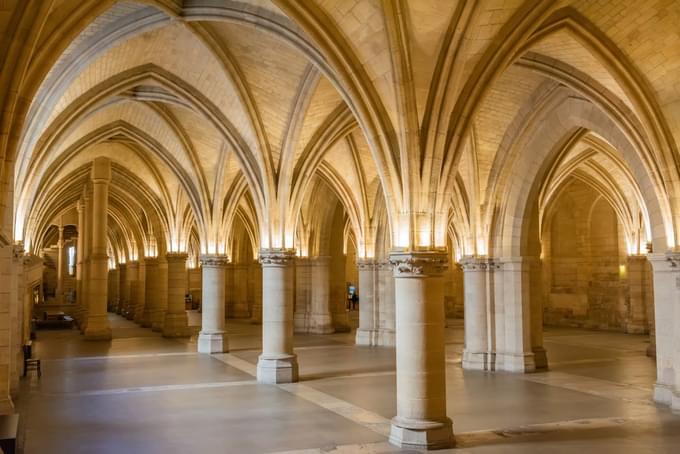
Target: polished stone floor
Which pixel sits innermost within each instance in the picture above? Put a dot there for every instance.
(141, 393)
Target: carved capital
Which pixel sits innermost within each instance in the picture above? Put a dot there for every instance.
(176, 256)
(471, 263)
(214, 261)
(418, 263)
(673, 258)
(276, 257)
(366, 264)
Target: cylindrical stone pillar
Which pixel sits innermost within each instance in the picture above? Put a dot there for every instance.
(475, 280)
(320, 320)
(256, 287)
(367, 333)
(212, 338)
(161, 303)
(97, 319)
(277, 363)
(421, 420)
(123, 285)
(636, 271)
(176, 322)
(136, 313)
(302, 294)
(151, 290)
(132, 274)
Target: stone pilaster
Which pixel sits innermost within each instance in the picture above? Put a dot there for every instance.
(97, 327)
(213, 338)
(80, 207)
(421, 421)
(137, 313)
(369, 304)
(61, 265)
(176, 323)
(277, 363)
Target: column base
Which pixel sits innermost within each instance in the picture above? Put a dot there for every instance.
(145, 321)
(157, 320)
(321, 324)
(427, 435)
(368, 337)
(176, 325)
(277, 369)
(540, 358)
(663, 394)
(387, 338)
(513, 362)
(97, 328)
(212, 342)
(475, 360)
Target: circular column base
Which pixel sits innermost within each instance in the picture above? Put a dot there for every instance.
(212, 343)
(176, 325)
(277, 369)
(415, 434)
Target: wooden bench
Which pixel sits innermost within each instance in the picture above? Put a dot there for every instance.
(30, 362)
(9, 425)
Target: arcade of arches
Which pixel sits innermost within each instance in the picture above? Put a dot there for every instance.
(202, 184)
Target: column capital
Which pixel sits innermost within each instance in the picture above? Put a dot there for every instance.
(475, 263)
(418, 263)
(366, 264)
(133, 262)
(214, 260)
(276, 257)
(150, 261)
(176, 256)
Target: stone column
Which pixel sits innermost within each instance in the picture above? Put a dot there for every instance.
(137, 312)
(176, 323)
(421, 421)
(476, 351)
(132, 278)
(80, 207)
(123, 285)
(161, 303)
(302, 294)
(61, 266)
(87, 260)
(367, 333)
(386, 304)
(151, 290)
(512, 309)
(666, 268)
(113, 288)
(636, 271)
(97, 320)
(213, 338)
(320, 321)
(277, 363)
(256, 287)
